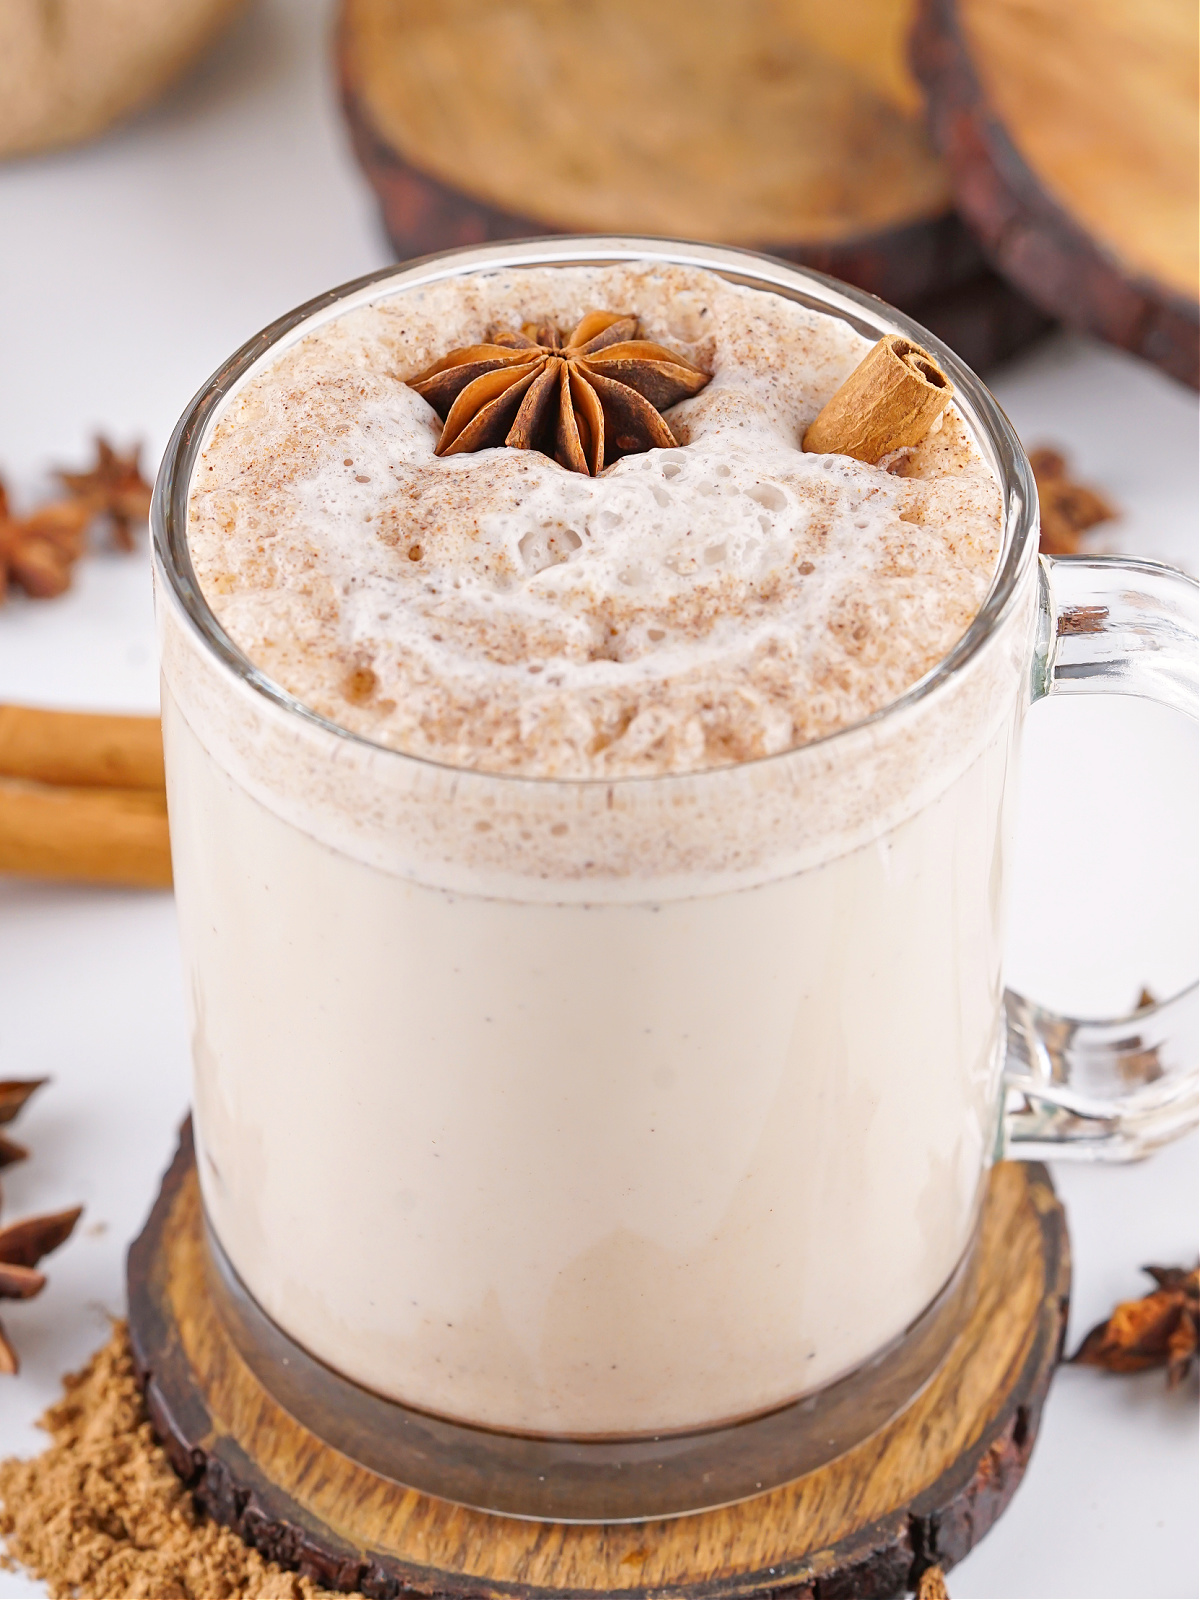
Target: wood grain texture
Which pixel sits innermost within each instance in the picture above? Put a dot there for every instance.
(788, 126)
(771, 119)
(1069, 127)
(921, 1491)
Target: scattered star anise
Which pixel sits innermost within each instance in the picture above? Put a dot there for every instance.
(1159, 1330)
(13, 1094)
(114, 488)
(23, 1244)
(38, 551)
(584, 403)
(1068, 508)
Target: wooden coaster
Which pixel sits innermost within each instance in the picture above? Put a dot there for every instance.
(921, 1491)
(797, 131)
(1070, 132)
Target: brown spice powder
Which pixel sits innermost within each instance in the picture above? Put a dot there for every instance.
(101, 1513)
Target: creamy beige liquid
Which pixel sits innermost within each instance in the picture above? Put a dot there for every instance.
(572, 1107)
(591, 1168)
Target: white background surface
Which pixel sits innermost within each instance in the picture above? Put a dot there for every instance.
(128, 271)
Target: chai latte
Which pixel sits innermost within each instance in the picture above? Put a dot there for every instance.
(585, 1041)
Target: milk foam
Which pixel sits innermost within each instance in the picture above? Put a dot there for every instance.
(688, 608)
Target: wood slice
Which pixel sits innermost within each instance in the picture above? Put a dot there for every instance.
(787, 126)
(1070, 130)
(920, 1491)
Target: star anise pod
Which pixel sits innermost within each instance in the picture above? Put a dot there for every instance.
(584, 403)
(1159, 1330)
(1068, 508)
(14, 1092)
(113, 488)
(22, 1246)
(38, 551)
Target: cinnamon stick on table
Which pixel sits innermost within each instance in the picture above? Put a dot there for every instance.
(82, 797)
(81, 748)
(92, 835)
(889, 402)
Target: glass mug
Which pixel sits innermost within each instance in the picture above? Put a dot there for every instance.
(557, 1139)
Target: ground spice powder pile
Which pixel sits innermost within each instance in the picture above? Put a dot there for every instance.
(101, 1514)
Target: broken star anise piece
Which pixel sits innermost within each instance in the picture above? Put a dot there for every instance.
(113, 488)
(22, 1246)
(1159, 1330)
(585, 403)
(14, 1092)
(38, 551)
(1068, 509)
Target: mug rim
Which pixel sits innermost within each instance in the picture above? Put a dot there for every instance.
(869, 315)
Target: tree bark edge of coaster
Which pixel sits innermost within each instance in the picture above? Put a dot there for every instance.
(1025, 231)
(921, 1492)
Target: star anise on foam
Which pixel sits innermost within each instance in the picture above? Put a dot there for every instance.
(1159, 1330)
(584, 403)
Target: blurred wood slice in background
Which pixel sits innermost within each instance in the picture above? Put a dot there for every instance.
(790, 126)
(69, 68)
(1070, 130)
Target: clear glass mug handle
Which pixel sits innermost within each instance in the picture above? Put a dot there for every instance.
(1106, 1091)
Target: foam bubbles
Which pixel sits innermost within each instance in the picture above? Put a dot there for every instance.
(687, 608)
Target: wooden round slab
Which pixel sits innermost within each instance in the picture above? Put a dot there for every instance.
(921, 1491)
(793, 130)
(1070, 130)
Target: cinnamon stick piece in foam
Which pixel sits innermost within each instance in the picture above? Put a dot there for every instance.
(889, 402)
(81, 748)
(92, 835)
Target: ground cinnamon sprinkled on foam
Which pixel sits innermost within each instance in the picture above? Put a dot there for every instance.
(688, 608)
(101, 1513)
